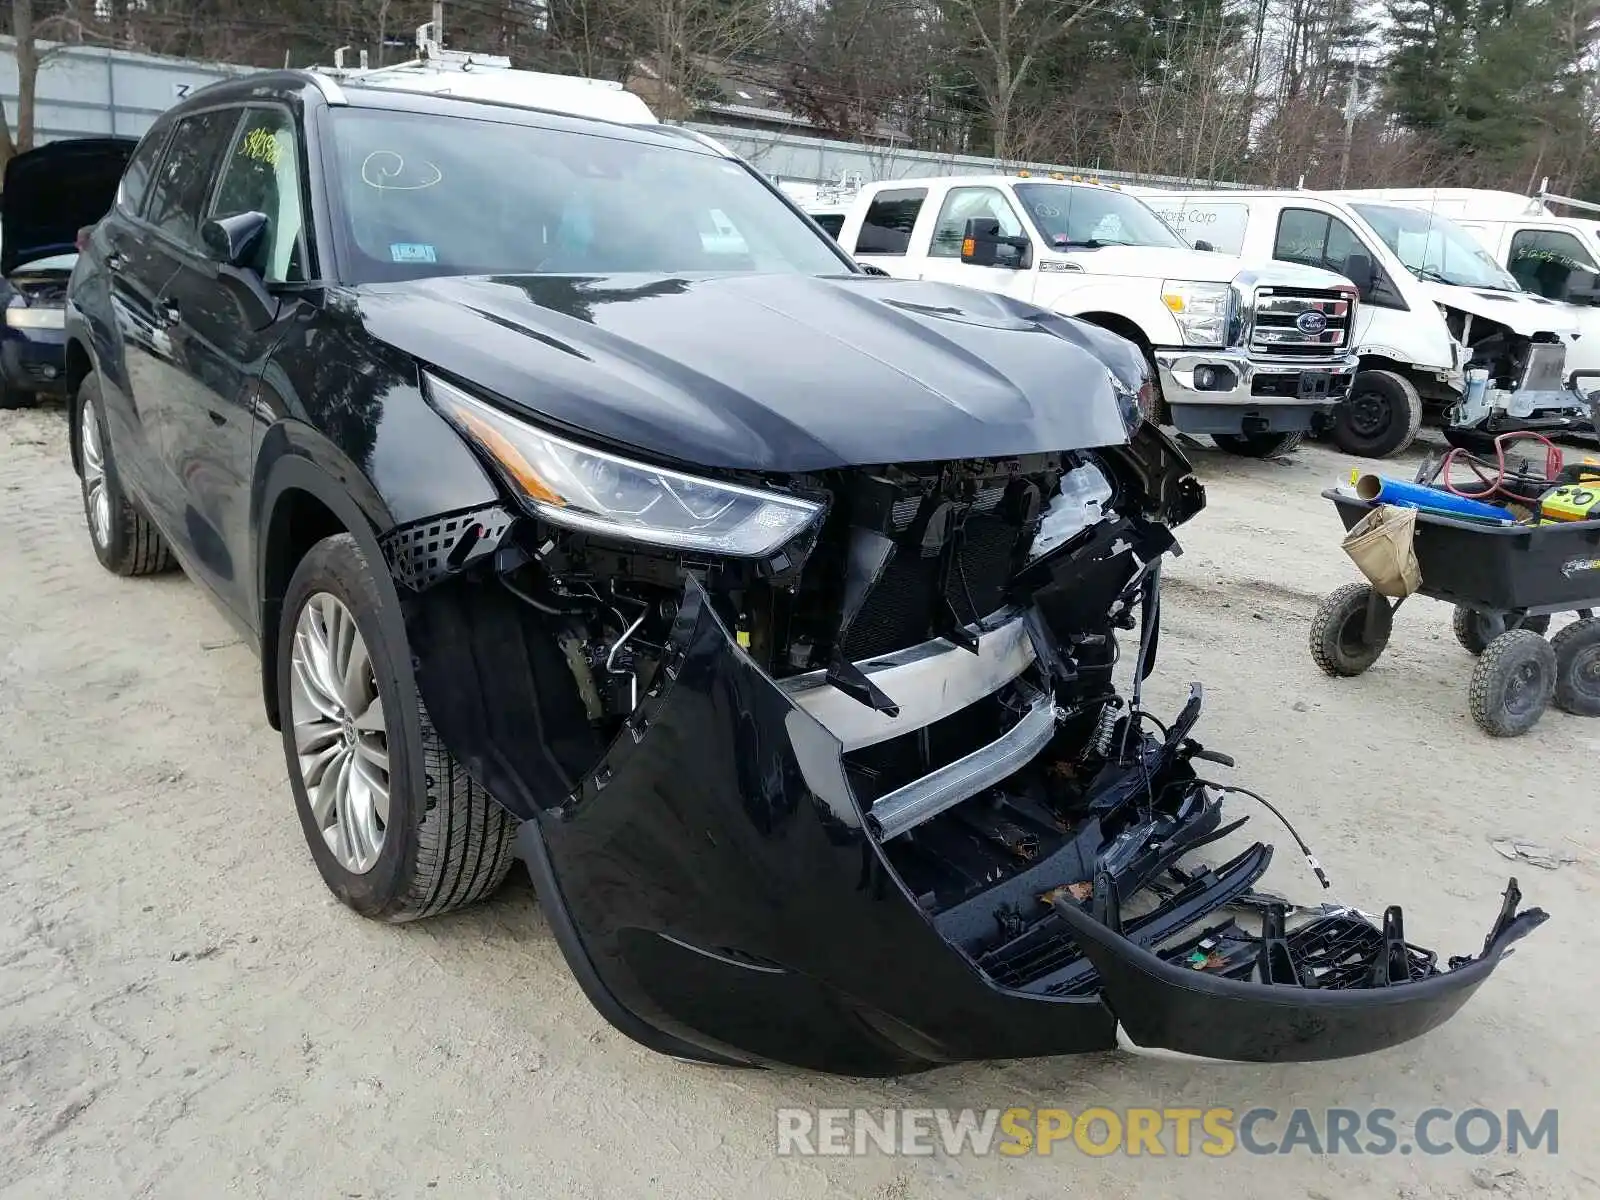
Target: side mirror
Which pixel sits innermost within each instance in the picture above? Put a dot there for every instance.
(232, 241)
(1360, 270)
(1202, 244)
(983, 245)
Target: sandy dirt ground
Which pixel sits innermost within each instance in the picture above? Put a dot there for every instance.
(185, 1011)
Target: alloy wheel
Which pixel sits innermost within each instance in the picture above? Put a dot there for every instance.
(341, 741)
(96, 499)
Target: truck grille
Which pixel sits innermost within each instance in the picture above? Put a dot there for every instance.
(1300, 322)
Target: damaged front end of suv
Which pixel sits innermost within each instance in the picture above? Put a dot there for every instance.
(826, 766)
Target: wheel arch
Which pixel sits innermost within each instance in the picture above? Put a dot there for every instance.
(1121, 325)
(78, 367)
(300, 504)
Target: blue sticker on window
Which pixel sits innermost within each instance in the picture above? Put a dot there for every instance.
(412, 252)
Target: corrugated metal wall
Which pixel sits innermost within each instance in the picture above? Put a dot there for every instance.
(87, 90)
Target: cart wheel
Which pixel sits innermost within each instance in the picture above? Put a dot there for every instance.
(1475, 630)
(1340, 643)
(1512, 683)
(1577, 650)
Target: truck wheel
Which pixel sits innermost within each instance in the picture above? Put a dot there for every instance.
(1340, 643)
(1476, 630)
(125, 540)
(1380, 417)
(1577, 650)
(1512, 683)
(1258, 445)
(395, 825)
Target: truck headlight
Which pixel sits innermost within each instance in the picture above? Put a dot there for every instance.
(19, 316)
(1201, 310)
(582, 488)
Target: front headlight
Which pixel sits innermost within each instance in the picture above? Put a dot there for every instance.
(582, 488)
(1201, 310)
(19, 316)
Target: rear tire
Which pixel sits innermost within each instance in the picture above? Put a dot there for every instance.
(397, 827)
(1476, 631)
(1339, 641)
(1512, 683)
(1379, 417)
(1258, 445)
(1577, 650)
(125, 540)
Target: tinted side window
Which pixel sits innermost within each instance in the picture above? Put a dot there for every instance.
(1302, 234)
(183, 181)
(832, 223)
(136, 178)
(263, 175)
(960, 206)
(887, 226)
(1543, 260)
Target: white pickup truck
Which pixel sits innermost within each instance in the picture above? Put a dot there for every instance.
(1254, 357)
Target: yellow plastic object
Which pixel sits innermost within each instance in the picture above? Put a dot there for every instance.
(1571, 502)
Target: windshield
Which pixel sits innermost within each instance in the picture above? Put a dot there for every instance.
(1070, 216)
(1435, 248)
(424, 194)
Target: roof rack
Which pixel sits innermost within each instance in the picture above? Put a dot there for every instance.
(490, 77)
(1547, 197)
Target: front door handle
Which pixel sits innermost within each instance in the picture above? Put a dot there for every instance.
(169, 313)
(115, 261)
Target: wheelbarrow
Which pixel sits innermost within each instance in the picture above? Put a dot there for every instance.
(1506, 582)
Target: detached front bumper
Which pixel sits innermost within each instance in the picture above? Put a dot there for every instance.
(1226, 391)
(723, 895)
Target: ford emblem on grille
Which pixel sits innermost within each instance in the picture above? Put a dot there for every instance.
(1311, 322)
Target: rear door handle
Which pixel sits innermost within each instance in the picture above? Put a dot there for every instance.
(169, 313)
(115, 261)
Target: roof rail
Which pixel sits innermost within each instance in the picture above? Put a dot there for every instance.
(331, 91)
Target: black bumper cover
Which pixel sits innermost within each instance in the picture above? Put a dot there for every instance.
(714, 888)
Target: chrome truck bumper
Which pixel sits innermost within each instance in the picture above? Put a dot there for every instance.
(1226, 391)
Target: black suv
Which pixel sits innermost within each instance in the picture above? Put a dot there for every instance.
(590, 508)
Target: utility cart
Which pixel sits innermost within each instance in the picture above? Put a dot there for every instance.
(1506, 582)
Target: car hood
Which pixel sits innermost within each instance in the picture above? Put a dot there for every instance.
(1204, 266)
(770, 372)
(54, 191)
(1521, 312)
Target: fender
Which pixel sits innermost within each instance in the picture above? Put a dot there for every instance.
(1120, 296)
(284, 465)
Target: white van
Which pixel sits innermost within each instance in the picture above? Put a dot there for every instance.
(1551, 255)
(1254, 357)
(1414, 267)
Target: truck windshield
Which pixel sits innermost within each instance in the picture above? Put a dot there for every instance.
(1072, 216)
(1435, 248)
(423, 194)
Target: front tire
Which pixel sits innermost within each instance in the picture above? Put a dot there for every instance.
(1577, 650)
(1258, 445)
(396, 827)
(1380, 416)
(125, 540)
(1341, 644)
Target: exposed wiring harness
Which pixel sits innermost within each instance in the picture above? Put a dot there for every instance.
(1305, 850)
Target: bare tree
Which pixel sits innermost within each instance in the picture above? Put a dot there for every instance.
(1010, 37)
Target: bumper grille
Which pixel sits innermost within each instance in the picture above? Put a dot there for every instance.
(904, 607)
(1300, 322)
